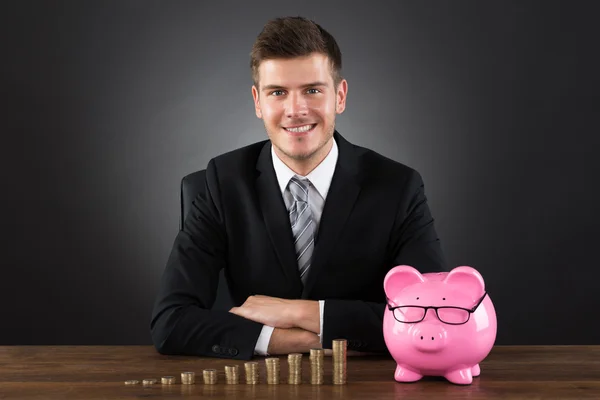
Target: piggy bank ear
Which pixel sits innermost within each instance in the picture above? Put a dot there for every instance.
(400, 277)
(469, 279)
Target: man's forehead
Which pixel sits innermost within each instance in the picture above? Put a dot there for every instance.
(299, 71)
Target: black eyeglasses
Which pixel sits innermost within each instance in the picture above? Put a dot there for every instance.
(411, 314)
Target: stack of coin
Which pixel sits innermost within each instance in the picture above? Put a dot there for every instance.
(188, 378)
(232, 374)
(272, 370)
(210, 376)
(339, 361)
(149, 381)
(316, 366)
(251, 372)
(167, 380)
(132, 382)
(295, 368)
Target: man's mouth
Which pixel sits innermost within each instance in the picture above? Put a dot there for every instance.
(300, 129)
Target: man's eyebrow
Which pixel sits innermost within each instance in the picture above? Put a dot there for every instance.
(278, 87)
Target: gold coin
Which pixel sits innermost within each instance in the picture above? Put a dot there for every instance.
(149, 381)
(272, 365)
(251, 369)
(316, 369)
(294, 368)
(210, 376)
(231, 369)
(317, 354)
(188, 378)
(167, 380)
(231, 374)
(339, 347)
(339, 344)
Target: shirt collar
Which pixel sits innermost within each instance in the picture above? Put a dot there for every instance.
(320, 177)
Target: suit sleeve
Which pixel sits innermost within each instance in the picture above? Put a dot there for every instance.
(413, 242)
(182, 322)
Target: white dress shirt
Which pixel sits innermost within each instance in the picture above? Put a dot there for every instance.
(320, 180)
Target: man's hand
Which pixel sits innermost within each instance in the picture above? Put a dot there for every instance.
(270, 311)
(293, 340)
(281, 313)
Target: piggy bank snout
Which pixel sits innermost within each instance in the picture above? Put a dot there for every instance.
(429, 337)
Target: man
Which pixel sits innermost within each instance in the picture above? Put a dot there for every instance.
(305, 224)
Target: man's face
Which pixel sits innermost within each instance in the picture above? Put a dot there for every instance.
(297, 101)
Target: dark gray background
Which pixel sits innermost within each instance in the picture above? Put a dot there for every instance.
(107, 104)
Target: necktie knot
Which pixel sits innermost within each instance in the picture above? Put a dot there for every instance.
(299, 189)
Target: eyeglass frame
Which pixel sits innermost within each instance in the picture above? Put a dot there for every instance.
(426, 308)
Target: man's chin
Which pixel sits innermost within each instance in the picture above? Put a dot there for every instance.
(299, 149)
(300, 155)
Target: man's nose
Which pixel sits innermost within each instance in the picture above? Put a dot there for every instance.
(296, 106)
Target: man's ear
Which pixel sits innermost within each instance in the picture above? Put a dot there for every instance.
(341, 94)
(255, 96)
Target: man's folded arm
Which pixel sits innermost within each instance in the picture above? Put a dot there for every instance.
(413, 242)
(182, 321)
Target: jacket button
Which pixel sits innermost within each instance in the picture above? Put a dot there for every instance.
(233, 352)
(216, 348)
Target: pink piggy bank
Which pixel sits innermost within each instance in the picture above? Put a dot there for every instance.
(438, 324)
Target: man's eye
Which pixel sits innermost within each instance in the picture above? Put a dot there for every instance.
(314, 90)
(277, 92)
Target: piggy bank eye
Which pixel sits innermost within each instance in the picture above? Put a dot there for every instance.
(451, 315)
(443, 298)
(409, 314)
(417, 298)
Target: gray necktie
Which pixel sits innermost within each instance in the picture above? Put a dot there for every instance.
(302, 224)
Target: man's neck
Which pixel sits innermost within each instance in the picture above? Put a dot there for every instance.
(305, 167)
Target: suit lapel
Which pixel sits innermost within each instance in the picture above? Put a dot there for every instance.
(341, 197)
(275, 216)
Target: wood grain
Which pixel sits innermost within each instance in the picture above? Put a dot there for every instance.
(95, 372)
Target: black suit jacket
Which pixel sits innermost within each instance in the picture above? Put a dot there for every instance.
(374, 218)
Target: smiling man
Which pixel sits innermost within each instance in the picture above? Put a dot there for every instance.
(305, 224)
(297, 100)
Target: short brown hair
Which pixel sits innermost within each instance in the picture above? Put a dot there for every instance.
(289, 37)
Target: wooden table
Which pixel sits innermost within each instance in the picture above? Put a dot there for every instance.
(93, 372)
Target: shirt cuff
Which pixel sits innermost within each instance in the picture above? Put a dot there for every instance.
(321, 312)
(262, 344)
